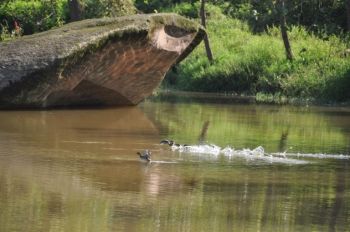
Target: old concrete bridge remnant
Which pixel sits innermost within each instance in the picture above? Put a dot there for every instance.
(108, 61)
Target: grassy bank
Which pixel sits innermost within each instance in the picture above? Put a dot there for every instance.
(255, 64)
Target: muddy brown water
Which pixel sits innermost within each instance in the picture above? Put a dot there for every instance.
(77, 170)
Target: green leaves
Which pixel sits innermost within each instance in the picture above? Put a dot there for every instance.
(34, 16)
(248, 63)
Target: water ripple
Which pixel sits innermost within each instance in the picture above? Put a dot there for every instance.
(254, 154)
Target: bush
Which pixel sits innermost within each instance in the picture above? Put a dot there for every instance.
(5, 33)
(248, 63)
(34, 16)
(110, 8)
(40, 15)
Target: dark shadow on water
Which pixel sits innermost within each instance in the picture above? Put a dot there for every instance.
(338, 206)
(283, 143)
(204, 132)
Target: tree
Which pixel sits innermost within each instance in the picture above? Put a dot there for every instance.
(75, 10)
(282, 12)
(206, 40)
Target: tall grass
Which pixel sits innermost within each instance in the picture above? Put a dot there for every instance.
(247, 63)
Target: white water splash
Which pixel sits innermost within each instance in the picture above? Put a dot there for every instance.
(316, 156)
(259, 154)
(254, 154)
(204, 149)
(163, 162)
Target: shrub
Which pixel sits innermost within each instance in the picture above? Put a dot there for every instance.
(40, 15)
(248, 63)
(111, 8)
(34, 16)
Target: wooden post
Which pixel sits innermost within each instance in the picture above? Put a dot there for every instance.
(284, 33)
(206, 40)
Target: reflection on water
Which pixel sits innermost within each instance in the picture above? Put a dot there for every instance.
(276, 128)
(77, 170)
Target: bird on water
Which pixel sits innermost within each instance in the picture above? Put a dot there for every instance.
(166, 141)
(145, 155)
(172, 143)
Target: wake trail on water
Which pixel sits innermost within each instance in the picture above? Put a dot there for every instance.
(316, 156)
(257, 154)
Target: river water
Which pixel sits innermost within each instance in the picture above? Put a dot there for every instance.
(247, 167)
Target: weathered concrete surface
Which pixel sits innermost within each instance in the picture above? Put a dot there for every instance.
(111, 61)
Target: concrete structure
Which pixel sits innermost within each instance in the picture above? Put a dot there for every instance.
(109, 61)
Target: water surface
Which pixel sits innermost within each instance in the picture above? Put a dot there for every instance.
(249, 168)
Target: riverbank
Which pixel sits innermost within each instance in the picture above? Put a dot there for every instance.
(228, 98)
(256, 65)
(246, 63)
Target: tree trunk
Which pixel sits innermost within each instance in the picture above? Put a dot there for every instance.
(206, 40)
(284, 33)
(347, 4)
(75, 10)
(53, 6)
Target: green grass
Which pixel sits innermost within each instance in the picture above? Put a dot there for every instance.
(251, 64)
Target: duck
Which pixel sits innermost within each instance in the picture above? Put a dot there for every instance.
(169, 142)
(172, 143)
(145, 155)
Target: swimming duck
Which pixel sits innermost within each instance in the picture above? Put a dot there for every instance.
(145, 155)
(169, 142)
(172, 143)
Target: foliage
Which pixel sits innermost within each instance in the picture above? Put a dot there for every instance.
(5, 33)
(34, 16)
(40, 15)
(102, 8)
(318, 15)
(248, 63)
(149, 6)
(185, 9)
(321, 16)
(191, 10)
